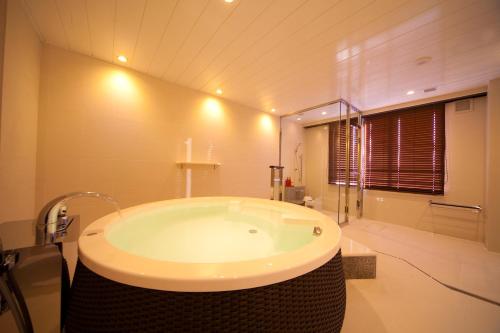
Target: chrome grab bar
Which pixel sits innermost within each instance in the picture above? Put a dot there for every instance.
(444, 204)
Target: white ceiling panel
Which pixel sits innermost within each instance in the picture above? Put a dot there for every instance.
(285, 33)
(208, 25)
(75, 25)
(101, 19)
(47, 20)
(184, 19)
(265, 24)
(157, 16)
(242, 18)
(129, 17)
(288, 54)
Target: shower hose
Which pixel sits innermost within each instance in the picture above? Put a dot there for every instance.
(10, 291)
(449, 286)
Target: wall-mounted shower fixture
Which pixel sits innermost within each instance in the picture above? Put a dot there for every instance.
(298, 164)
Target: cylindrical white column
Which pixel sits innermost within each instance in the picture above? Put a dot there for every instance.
(189, 149)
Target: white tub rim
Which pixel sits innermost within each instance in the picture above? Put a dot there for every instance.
(99, 255)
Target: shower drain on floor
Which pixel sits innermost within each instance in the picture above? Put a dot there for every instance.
(252, 231)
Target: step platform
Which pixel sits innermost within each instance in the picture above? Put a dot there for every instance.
(358, 260)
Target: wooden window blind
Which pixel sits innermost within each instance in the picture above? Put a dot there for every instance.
(404, 150)
(337, 152)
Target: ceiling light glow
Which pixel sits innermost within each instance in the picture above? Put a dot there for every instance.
(122, 58)
(228, 1)
(410, 92)
(299, 118)
(266, 122)
(273, 110)
(213, 108)
(218, 91)
(323, 113)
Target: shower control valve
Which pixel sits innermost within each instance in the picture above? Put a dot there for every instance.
(63, 222)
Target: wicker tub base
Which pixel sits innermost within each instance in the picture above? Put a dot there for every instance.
(314, 302)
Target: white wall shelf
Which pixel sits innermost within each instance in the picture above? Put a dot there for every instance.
(184, 164)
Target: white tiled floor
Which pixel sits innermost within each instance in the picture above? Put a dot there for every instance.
(402, 299)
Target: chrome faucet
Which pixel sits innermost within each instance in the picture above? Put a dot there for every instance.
(53, 221)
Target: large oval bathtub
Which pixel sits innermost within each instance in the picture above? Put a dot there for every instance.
(209, 244)
(209, 265)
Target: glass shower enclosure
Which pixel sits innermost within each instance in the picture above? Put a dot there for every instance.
(320, 151)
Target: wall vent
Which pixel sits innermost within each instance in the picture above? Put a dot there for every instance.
(464, 105)
(430, 89)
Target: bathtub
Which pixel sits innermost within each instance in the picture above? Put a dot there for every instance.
(209, 264)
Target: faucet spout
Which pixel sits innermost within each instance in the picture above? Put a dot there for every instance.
(53, 221)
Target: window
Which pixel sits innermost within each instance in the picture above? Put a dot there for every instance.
(404, 150)
(337, 152)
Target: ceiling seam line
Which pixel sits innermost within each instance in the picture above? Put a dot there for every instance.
(33, 21)
(250, 46)
(155, 53)
(63, 26)
(186, 38)
(88, 28)
(208, 41)
(139, 30)
(299, 29)
(114, 32)
(230, 43)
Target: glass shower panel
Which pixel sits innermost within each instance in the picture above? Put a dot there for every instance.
(350, 143)
(314, 149)
(341, 158)
(306, 155)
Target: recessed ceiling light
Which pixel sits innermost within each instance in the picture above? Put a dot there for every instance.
(218, 91)
(228, 1)
(273, 110)
(323, 113)
(122, 58)
(299, 118)
(410, 92)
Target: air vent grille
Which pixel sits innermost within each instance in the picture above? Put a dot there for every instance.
(463, 105)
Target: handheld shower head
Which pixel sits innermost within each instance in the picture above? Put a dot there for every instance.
(297, 147)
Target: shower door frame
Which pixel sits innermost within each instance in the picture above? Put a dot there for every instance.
(359, 178)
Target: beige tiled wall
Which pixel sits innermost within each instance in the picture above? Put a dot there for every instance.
(18, 132)
(106, 128)
(492, 190)
(18, 122)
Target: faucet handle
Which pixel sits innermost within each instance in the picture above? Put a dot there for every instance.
(63, 221)
(62, 226)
